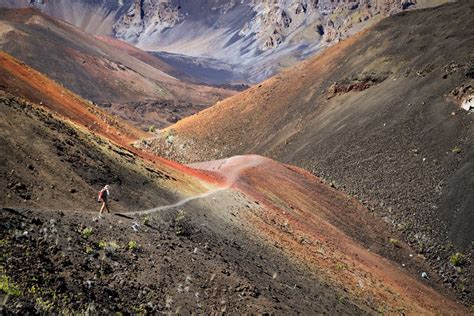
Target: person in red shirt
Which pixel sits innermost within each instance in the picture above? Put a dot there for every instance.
(104, 198)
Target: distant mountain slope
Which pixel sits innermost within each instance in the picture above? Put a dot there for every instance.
(253, 38)
(93, 16)
(20, 80)
(58, 149)
(97, 70)
(379, 116)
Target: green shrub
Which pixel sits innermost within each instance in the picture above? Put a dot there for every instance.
(170, 135)
(44, 305)
(8, 287)
(86, 232)
(340, 266)
(132, 245)
(113, 245)
(110, 246)
(457, 259)
(394, 241)
(146, 220)
(456, 150)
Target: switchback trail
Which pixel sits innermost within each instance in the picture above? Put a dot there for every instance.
(230, 168)
(177, 204)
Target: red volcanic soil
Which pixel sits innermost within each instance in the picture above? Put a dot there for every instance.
(379, 116)
(321, 241)
(97, 68)
(333, 235)
(21, 80)
(311, 226)
(128, 82)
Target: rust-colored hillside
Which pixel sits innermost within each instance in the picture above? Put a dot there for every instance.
(276, 233)
(245, 234)
(17, 79)
(107, 72)
(379, 116)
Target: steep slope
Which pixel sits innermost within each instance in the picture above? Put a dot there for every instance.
(99, 71)
(95, 17)
(80, 144)
(244, 235)
(379, 117)
(20, 80)
(51, 164)
(264, 251)
(329, 232)
(252, 38)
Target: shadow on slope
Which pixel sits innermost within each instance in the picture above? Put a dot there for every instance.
(52, 164)
(107, 141)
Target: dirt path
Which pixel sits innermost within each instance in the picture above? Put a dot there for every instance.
(230, 168)
(177, 204)
(298, 206)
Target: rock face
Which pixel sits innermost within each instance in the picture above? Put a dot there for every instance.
(269, 23)
(146, 17)
(255, 37)
(258, 36)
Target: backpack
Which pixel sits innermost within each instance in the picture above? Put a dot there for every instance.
(99, 198)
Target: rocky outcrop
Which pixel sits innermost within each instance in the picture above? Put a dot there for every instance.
(147, 17)
(254, 37)
(355, 83)
(249, 34)
(275, 22)
(272, 23)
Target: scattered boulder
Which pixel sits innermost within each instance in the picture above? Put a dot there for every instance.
(355, 83)
(468, 103)
(464, 96)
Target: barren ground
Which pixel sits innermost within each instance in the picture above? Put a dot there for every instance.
(378, 116)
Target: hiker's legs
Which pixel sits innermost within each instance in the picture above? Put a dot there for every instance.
(107, 206)
(102, 208)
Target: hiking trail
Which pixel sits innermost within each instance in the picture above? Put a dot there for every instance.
(230, 168)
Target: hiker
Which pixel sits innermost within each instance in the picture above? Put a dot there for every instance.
(104, 198)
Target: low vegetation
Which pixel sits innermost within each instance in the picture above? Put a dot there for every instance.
(146, 220)
(86, 232)
(8, 287)
(132, 245)
(109, 246)
(457, 259)
(394, 241)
